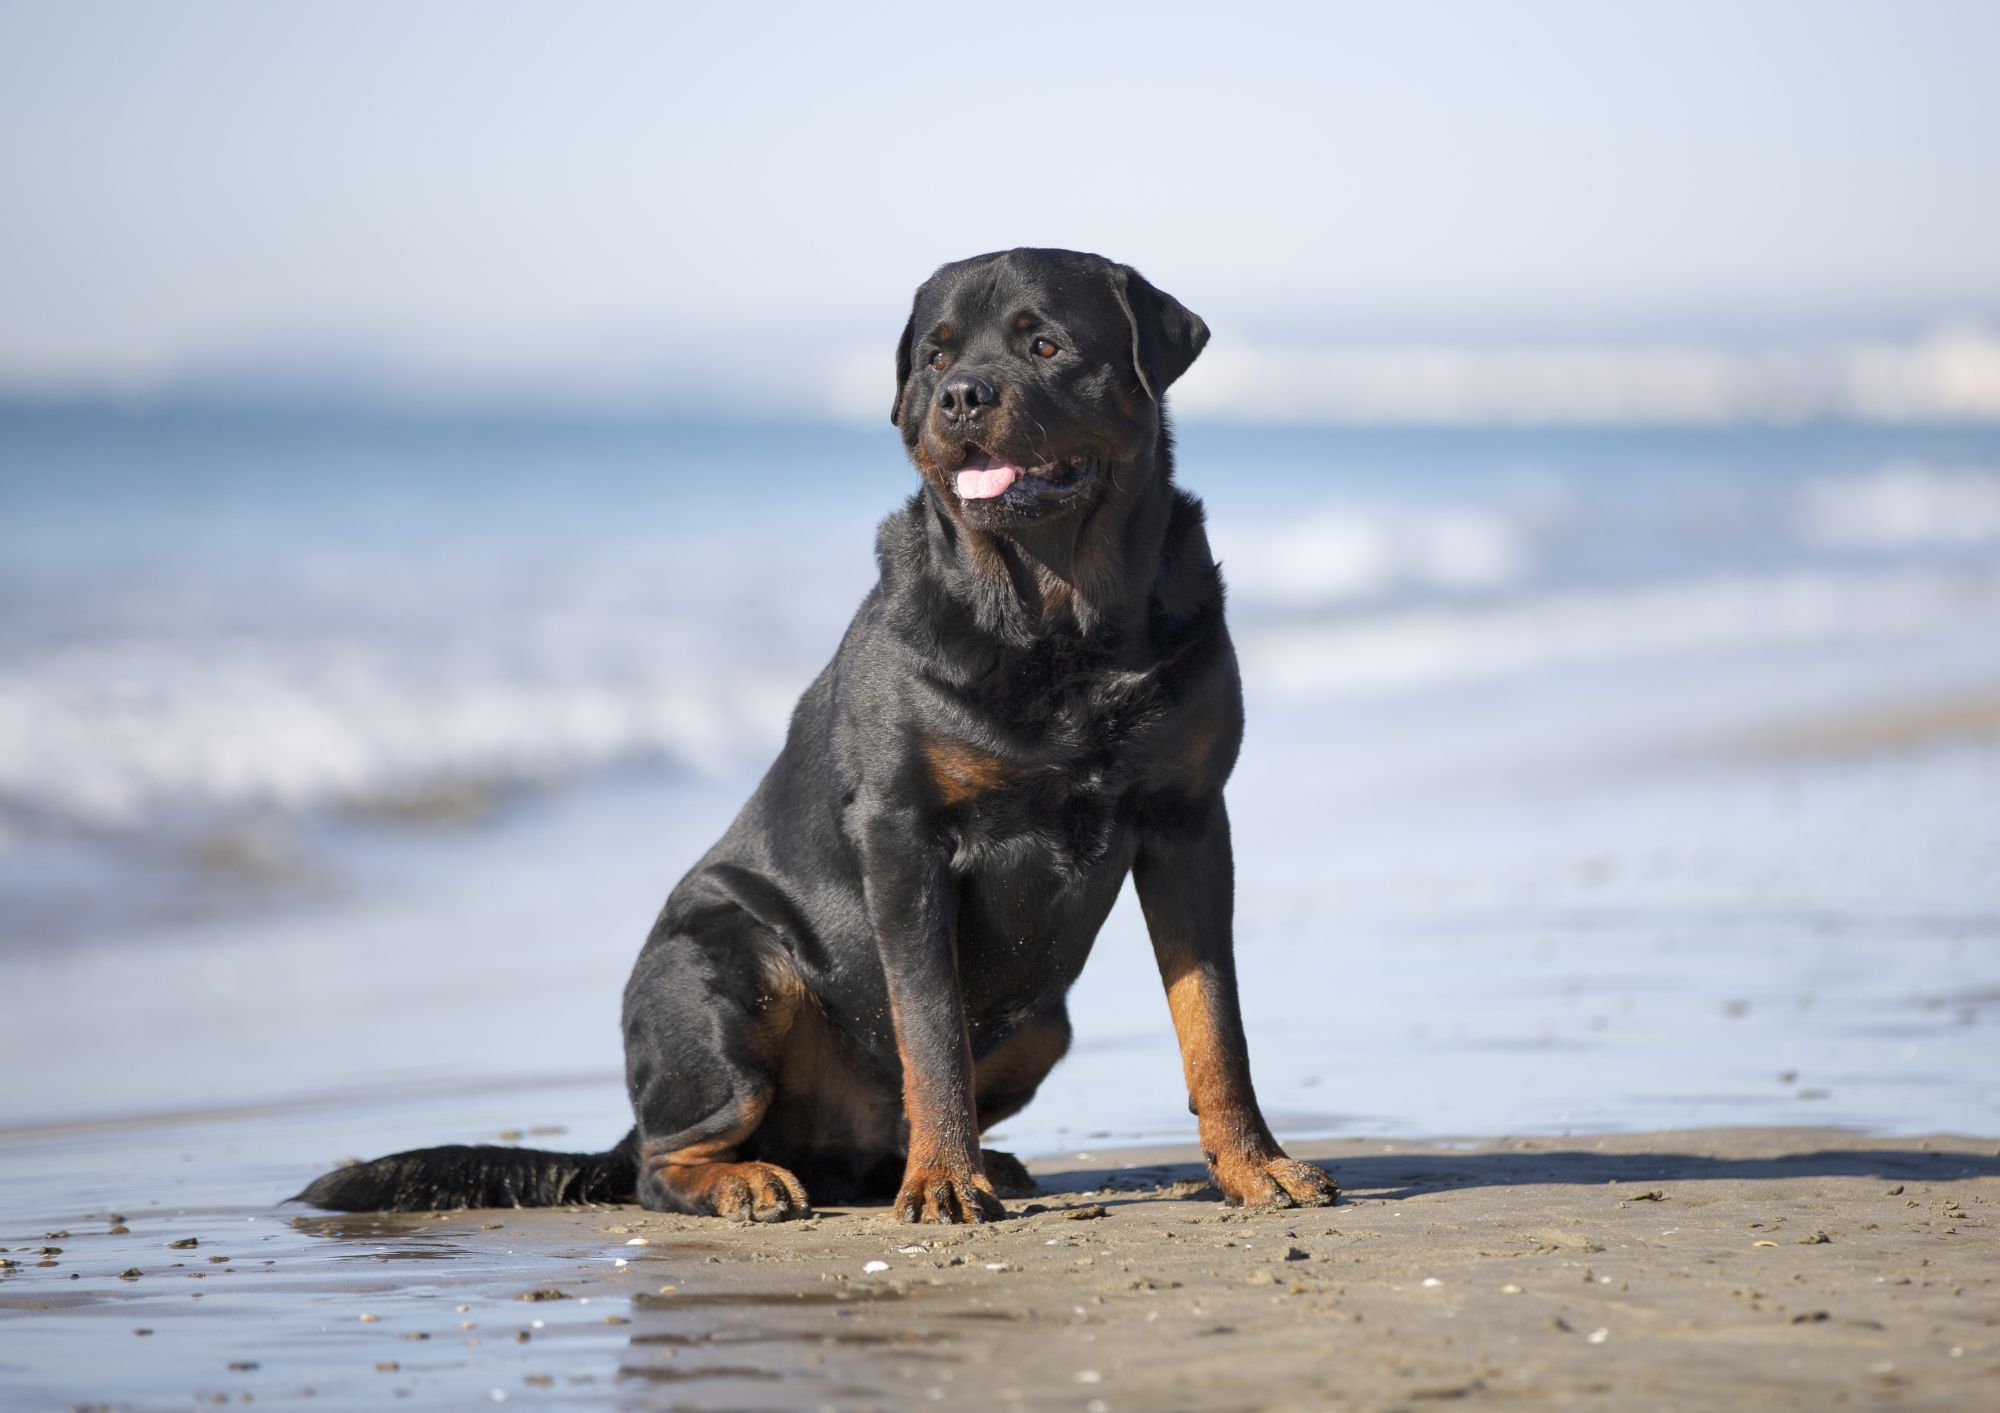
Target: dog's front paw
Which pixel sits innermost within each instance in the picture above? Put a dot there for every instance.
(948, 1198)
(1273, 1182)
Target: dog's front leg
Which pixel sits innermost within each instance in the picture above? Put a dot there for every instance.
(913, 909)
(1186, 886)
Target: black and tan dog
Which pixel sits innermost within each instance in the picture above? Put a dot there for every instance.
(1038, 698)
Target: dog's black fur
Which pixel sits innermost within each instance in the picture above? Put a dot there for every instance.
(1038, 698)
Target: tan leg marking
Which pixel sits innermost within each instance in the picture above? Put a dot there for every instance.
(943, 1179)
(1246, 1161)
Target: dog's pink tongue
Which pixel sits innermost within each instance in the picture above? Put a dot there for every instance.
(985, 482)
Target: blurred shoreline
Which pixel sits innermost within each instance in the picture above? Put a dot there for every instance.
(1943, 373)
(1883, 729)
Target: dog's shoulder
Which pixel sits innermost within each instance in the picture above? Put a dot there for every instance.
(1187, 590)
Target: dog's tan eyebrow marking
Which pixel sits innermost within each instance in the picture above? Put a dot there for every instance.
(943, 333)
(1025, 321)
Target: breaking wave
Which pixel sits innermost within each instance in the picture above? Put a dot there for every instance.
(1904, 506)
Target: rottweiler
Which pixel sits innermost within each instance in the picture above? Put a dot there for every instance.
(1037, 698)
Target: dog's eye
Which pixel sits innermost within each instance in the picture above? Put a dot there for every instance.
(1044, 348)
(937, 358)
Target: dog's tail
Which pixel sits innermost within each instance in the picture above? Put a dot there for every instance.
(458, 1175)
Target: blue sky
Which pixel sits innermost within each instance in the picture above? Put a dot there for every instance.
(204, 184)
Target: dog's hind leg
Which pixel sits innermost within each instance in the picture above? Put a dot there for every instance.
(705, 1020)
(1006, 1079)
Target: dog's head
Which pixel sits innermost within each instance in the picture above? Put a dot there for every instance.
(1029, 381)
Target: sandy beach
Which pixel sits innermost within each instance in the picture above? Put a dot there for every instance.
(1743, 1268)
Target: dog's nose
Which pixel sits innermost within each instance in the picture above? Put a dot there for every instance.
(963, 396)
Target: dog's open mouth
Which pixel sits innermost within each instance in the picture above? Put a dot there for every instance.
(984, 476)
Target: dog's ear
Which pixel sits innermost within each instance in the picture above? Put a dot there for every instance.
(903, 356)
(1167, 336)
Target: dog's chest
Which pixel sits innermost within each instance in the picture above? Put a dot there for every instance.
(1041, 854)
(1044, 797)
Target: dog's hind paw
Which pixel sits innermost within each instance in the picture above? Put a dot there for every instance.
(1009, 1176)
(744, 1192)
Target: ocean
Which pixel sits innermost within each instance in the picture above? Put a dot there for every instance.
(1594, 779)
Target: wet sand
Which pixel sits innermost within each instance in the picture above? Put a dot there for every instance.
(1721, 1268)
(1880, 730)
